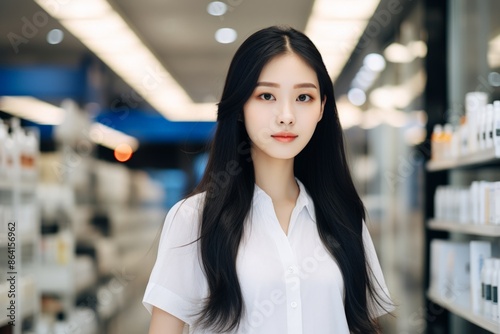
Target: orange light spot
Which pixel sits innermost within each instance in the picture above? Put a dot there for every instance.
(123, 152)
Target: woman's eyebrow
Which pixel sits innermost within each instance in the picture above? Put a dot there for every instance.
(305, 85)
(300, 85)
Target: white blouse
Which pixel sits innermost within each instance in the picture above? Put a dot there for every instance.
(290, 283)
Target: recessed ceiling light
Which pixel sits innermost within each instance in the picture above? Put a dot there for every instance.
(356, 96)
(374, 62)
(225, 35)
(55, 36)
(217, 8)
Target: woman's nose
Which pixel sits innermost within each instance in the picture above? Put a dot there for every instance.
(286, 115)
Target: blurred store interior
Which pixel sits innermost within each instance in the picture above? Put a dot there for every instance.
(107, 107)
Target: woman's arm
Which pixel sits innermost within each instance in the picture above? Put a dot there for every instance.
(165, 323)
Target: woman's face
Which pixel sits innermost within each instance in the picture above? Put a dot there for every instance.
(282, 112)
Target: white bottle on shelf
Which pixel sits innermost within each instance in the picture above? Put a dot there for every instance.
(496, 127)
(496, 219)
(489, 126)
(481, 129)
(474, 102)
(497, 318)
(494, 289)
(487, 287)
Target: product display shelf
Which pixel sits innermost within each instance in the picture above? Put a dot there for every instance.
(482, 157)
(462, 309)
(473, 229)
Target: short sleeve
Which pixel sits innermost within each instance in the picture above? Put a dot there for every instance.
(177, 284)
(378, 280)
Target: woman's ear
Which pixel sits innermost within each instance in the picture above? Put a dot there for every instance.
(322, 108)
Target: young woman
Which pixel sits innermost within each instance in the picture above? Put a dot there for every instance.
(273, 239)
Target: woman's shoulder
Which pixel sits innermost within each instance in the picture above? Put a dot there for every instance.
(190, 206)
(183, 219)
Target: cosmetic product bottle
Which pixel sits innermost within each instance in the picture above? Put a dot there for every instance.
(486, 286)
(479, 251)
(474, 102)
(494, 289)
(481, 129)
(497, 318)
(496, 219)
(489, 126)
(496, 127)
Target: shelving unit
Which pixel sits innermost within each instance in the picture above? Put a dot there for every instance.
(461, 306)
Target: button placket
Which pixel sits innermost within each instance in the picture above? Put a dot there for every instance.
(292, 283)
(290, 270)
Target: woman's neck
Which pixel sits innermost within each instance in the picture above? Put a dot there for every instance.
(276, 178)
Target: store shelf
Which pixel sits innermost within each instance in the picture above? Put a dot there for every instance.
(474, 229)
(479, 158)
(462, 309)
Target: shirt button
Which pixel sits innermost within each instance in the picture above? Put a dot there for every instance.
(293, 304)
(291, 269)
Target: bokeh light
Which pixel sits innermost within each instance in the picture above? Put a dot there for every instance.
(123, 152)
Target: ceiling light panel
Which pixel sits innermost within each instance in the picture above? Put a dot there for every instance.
(32, 109)
(342, 9)
(335, 26)
(106, 34)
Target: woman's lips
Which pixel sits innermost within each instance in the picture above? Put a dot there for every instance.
(284, 137)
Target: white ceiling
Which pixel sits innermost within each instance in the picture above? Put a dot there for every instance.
(179, 32)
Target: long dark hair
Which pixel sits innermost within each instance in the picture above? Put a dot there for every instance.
(229, 185)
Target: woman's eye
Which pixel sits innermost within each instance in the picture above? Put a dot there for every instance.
(267, 96)
(304, 98)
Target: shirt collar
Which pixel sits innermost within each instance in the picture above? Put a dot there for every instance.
(304, 199)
